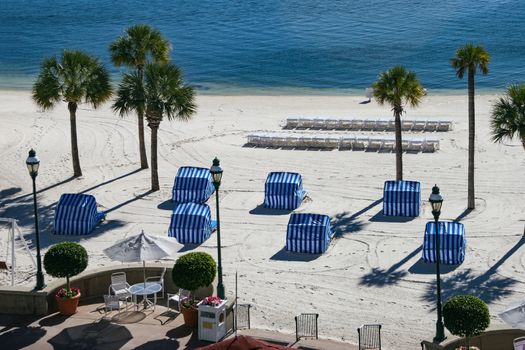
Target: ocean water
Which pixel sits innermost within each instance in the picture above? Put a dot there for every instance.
(275, 46)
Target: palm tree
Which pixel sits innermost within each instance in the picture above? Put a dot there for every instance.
(165, 95)
(470, 58)
(74, 78)
(398, 87)
(508, 115)
(135, 49)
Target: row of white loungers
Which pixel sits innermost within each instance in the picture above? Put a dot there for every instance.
(263, 139)
(378, 124)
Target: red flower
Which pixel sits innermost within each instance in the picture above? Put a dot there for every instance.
(212, 301)
(65, 293)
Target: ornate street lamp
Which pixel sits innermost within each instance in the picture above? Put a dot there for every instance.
(216, 173)
(436, 200)
(33, 164)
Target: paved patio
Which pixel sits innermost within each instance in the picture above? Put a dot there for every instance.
(91, 329)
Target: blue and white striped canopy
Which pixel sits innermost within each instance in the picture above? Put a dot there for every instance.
(192, 184)
(452, 242)
(401, 198)
(191, 223)
(283, 190)
(76, 214)
(308, 233)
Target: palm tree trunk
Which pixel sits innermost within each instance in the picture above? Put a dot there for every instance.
(72, 106)
(471, 138)
(154, 125)
(399, 146)
(142, 143)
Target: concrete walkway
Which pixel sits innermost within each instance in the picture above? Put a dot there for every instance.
(91, 329)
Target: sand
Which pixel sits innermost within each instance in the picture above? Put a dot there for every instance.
(372, 273)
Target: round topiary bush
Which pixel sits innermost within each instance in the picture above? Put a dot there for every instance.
(466, 316)
(65, 259)
(194, 270)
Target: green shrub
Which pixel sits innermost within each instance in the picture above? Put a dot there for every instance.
(466, 316)
(65, 259)
(194, 270)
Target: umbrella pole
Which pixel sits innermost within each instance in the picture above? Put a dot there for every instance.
(144, 271)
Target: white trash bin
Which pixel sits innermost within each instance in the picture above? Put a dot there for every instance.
(212, 321)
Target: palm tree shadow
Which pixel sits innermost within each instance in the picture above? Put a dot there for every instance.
(488, 286)
(112, 180)
(381, 277)
(344, 223)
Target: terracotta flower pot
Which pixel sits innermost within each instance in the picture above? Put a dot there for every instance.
(191, 316)
(67, 306)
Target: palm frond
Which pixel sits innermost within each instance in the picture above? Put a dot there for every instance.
(508, 115)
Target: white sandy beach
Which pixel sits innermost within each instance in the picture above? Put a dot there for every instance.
(373, 273)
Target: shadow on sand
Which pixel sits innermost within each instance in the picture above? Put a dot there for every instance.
(261, 210)
(283, 255)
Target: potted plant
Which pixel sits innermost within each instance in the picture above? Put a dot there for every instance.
(466, 316)
(66, 259)
(191, 272)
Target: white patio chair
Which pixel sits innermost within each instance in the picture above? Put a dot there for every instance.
(432, 125)
(179, 298)
(292, 123)
(319, 123)
(347, 142)
(375, 143)
(332, 141)
(254, 139)
(419, 125)
(382, 124)
(331, 123)
(361, 142)
(444, 125)
(416, 145)
(344, 124)
(158, 279)
(405, 145)
(519, 343)
(407, 124)
(391, 125)
(113, 302)
(119, 286)
(358, 124)
(370, 124)
(389, 144)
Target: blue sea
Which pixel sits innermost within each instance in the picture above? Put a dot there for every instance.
(275, 46)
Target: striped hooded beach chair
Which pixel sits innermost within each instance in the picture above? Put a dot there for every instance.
(401, 198)
(192, 184)
(452, 242)
(76, 214)
(283, 190)
(308, 233)
(191, 223)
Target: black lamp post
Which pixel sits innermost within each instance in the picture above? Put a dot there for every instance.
(33, 163)
(216, 173)
(436, 200)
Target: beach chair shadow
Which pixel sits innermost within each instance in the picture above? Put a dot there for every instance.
(380, 217)
(261, 210)
(422, 268)
(284, 255)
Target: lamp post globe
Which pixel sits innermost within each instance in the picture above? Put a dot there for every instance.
(33, 163)
(436, 201)
(216, 173)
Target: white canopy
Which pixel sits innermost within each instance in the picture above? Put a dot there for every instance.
(142, 247)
